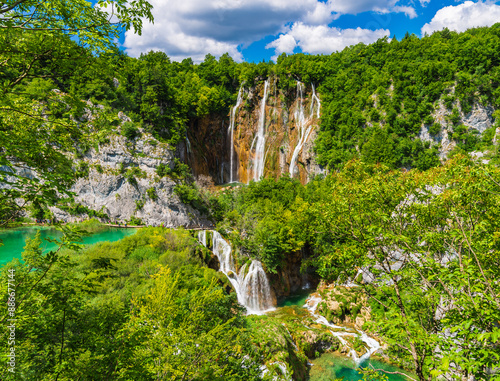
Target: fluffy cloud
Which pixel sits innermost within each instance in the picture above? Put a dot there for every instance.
(321, 39)
(359, 6)
(193, 28)
(464, 16)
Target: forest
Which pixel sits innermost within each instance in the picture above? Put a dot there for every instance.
(419, 235)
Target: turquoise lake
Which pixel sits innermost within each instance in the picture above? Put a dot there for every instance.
(14, 240)
(329, 366)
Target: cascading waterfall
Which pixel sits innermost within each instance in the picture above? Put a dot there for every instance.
(372, 344)
(260, 139)
(252, 286)
(231, 132)
(303, 123)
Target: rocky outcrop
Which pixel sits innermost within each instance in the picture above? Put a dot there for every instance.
(478, 120)
(344, 305)
(122, 182)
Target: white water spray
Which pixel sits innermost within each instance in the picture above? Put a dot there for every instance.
(303, 123)
(252, 286)
(260, 139)
(231, 132)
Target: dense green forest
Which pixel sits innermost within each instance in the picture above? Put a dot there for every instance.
(429, 240)
(419, 238)
(423, 247)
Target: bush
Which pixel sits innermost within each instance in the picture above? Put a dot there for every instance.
(180, 170)
(139, 204)
(82, 169)
(135, 221)
(435, 129)
(152, 194)
(190, 195)
(130, 131)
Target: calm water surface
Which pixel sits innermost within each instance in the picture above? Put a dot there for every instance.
(329, 366)
(14, 240)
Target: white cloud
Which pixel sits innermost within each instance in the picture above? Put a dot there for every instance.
(464, 16)
(322, 39)
(193, 28)
(285, 43)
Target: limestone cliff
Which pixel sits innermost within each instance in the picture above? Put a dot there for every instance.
(122, 182)
(476, 121)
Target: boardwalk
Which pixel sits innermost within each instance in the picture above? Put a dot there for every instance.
(145, 226)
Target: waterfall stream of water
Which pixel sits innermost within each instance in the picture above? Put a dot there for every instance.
(372, 345)
(260, 139)
(251, 283)
(303, 122)
(231, 133)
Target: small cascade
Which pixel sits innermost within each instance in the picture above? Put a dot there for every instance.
(303, 123)
(231, 133)
(372, 344)
(251, 286)
(260, 139)
(188, 145)
(202, 237)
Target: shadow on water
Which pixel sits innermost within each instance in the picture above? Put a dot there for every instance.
(14, 240)
(330, 366)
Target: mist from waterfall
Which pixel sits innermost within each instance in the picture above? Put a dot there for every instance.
(260, 139)
(232, 122)
(250, 284)
(303, 123)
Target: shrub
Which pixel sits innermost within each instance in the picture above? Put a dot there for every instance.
(130, 131)
(152, 194)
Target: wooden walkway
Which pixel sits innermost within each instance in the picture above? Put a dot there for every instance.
(145, 226)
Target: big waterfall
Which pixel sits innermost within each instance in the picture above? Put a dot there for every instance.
(260, 139)
(303, 123)
(231, 132)
(250, 283)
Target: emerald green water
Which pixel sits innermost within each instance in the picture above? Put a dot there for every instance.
(298, 299)
(14, 240)
(329, 366)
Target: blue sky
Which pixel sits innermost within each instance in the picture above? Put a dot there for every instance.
(256, 30)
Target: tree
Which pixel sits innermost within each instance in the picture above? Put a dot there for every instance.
(193, 335)
(423, 243)
(48, 41)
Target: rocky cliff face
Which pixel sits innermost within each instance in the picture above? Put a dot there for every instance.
(478, 120)
(271, 132)
(122, 182)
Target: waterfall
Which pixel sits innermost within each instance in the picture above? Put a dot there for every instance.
(260, 139)
(303, 123)
(372, 344)
(231, 132)
(252, 286)
(202, 237)
(256, 288)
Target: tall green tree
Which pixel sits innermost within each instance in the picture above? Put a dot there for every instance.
(43, 43)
